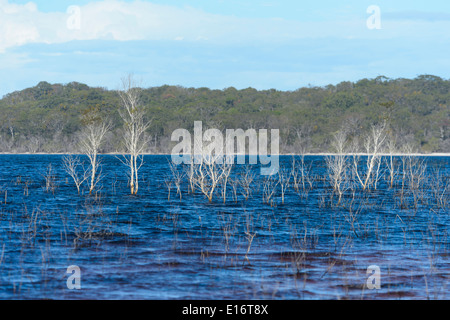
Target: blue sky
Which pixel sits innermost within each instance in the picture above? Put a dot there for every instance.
(220, 43)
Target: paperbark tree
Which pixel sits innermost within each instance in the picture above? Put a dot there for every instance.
(135, 125)
(284, 178)
(391, 161)
(92, 137)
(71, 165)
(373, 146)
(337, 163)
(210, 165)
(245, 181)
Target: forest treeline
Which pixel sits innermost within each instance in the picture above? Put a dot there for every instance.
(48, 117)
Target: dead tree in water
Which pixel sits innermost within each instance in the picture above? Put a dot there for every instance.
(373, 147)
(50, 180)
(413, 176)
(177, 178)
(391, 161)
(284, 178)
(245, 181)
(92, 137)
(209, 174)
(135, 125)
(71, 164)
(337, 163)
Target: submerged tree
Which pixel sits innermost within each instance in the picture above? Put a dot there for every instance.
(337, 163)
(135, 125)
(75, 168)
(390, 160)
(210, 166)
(373, 147)
(92, 137)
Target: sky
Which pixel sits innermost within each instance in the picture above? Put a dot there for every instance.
(263, 44)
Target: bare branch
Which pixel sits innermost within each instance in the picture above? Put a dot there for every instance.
(135, 139)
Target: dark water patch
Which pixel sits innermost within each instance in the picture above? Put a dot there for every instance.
(397, 295)
(288, 256)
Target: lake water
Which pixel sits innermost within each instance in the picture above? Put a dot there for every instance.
(150, 246)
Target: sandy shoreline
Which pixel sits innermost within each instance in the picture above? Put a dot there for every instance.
(382, 154)
(281, 154)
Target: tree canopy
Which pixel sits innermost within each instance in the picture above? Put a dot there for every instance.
(48, 117)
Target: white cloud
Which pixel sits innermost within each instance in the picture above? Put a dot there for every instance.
(109, 19)
(142, 20)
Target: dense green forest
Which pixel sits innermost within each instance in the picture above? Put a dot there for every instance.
(47, 117)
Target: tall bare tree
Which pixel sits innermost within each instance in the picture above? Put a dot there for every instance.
(92, 137)
(390, 160)
(210, 169)
(284, 178)
(373, 146)
(135, 125)
(337, 163)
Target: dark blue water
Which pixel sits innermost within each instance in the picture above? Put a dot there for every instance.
(152, 246)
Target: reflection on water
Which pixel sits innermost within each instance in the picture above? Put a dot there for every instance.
(151, 247)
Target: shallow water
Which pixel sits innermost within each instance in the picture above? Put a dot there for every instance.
(151, 247)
